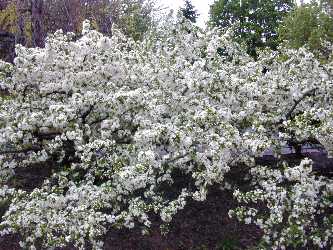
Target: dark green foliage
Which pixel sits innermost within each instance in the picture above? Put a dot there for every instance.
(228, 244)
(189, 12)
(136, 18)
(257, 20)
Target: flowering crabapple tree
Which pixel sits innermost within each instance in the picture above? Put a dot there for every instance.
(110, 123)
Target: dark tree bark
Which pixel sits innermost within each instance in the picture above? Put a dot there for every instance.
(106, 24)
(7, 48)
(37, 23)
(21, 7)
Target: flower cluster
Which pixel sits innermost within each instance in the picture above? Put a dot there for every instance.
(110, 124)
(298, 207)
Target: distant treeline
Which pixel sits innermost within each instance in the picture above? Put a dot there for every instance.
(28, 22)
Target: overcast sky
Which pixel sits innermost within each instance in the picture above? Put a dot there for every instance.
(202, 6)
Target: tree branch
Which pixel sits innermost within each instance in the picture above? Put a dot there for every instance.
(18, 151)
(86, 113)
(58, 92)
(296, 102)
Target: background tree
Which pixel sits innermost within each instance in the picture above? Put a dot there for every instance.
(23, 10)
(135, 17)
(15, 27)
(257, 20)
(29, 21)
(8, 18)
(308, 25)
(37, 23)
(189, 12)
(62, 14)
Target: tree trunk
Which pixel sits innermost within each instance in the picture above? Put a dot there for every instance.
(7, 48)
(37, 23)
(20, 9)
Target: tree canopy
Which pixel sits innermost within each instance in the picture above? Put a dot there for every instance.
(257, 21)
(189, 11)
(308, 25)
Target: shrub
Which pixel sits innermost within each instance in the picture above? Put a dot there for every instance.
(107, 122)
